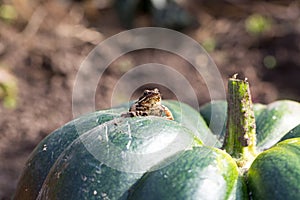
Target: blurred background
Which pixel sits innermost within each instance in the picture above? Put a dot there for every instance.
(43, 42)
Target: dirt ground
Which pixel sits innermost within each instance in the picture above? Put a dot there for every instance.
(43, 47)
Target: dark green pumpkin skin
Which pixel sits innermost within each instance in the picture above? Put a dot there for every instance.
(93, 166)
(200, 173)
(275, 173)
(73, 162)
(274, 122)
(294, 133)
(48, 151)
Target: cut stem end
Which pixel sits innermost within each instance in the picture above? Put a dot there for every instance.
(240, 140)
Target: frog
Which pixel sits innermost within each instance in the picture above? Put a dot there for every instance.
(149, 104)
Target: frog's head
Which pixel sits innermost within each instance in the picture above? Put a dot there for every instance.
(150, 97)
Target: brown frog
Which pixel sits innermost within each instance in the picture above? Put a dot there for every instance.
(149, 104)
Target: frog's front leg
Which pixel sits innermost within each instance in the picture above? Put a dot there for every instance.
(128, 114)
(168, 113)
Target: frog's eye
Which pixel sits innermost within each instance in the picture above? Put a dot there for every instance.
(156, 90)
(146, 92)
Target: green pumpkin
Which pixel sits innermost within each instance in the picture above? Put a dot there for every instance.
(104, 156)
(275, 173)
(68, 142)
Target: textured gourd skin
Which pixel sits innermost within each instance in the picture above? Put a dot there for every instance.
(81, 173)
(200, 173)
(61, 167)
(274, 122)
(48, 151)
(275, 174)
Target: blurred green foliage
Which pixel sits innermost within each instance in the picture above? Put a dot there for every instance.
(257, 24)
(270, 62)
(209, 44)
(8, 13)
(8, 89)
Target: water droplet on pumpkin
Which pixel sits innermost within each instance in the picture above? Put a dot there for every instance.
(100, 137)
(84, 178)
(104, 195)
(128, 144)
(106, 133)
(99, 170)
(45, 147)
(123, 155)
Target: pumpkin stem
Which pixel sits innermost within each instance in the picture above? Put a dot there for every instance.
(240, 139)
